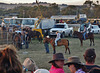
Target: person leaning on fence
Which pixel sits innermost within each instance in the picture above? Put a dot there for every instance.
(57, 63)
(89, 57)
(29, 66)
(58, 37)
(9, 62)
(75, 66)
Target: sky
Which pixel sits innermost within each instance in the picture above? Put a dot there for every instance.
(69, 2)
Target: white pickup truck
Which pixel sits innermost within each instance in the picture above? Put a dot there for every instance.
(62, 28)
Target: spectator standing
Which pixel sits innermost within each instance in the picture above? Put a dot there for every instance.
(29, 66)
(75, 66)
(89, 57)
(9, 62)
(46, 44)
(57, 63)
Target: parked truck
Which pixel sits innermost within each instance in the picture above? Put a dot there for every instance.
(62, 28)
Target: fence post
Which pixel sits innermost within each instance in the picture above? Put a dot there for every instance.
(7, 37)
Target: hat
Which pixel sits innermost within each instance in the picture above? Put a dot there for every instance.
(73, 59)
(57, 56)
(29, 65)
(90, 53)
(41, 71)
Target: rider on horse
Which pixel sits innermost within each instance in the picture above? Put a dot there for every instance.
(57, 38)
(84, 32)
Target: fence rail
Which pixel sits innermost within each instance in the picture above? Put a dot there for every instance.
(5, 37)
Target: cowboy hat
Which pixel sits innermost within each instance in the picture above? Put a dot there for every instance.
(29, 66)
(57, 56)
(41, 71)
(73, 60)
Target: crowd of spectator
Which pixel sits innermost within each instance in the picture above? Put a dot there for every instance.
(9, 63)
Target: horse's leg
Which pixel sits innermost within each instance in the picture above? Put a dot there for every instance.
(93, 42)
(81, 42)
(54, 51)
(66, 47)
(39, 39)
(69, 50)
(15, 44)
(90, 42)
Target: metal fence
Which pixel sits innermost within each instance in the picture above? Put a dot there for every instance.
(5, 37)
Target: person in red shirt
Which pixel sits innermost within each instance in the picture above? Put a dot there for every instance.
(57, 63)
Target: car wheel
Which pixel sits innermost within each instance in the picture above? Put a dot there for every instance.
(98, 31)
(63, 35)
(92, 31)
(70, 34)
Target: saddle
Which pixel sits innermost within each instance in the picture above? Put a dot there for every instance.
(59, 40)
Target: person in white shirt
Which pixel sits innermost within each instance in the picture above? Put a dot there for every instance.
(57, 37)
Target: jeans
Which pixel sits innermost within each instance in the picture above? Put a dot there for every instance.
(56, 41)
(46, 47)
(26, 44)
(84, 35)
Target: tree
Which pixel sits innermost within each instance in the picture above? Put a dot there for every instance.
(70, 10)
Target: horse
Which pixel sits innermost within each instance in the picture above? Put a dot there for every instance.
(17, 40)
(88, 36)
(35, 34)
(61, 42)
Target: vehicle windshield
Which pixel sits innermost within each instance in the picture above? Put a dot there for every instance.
(6, 21)
(59, 26)
(28, 22)
(95, 27)
(13, 21)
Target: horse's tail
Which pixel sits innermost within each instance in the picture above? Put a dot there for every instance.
(68, 42)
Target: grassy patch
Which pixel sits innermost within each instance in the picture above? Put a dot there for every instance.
(37, 52)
